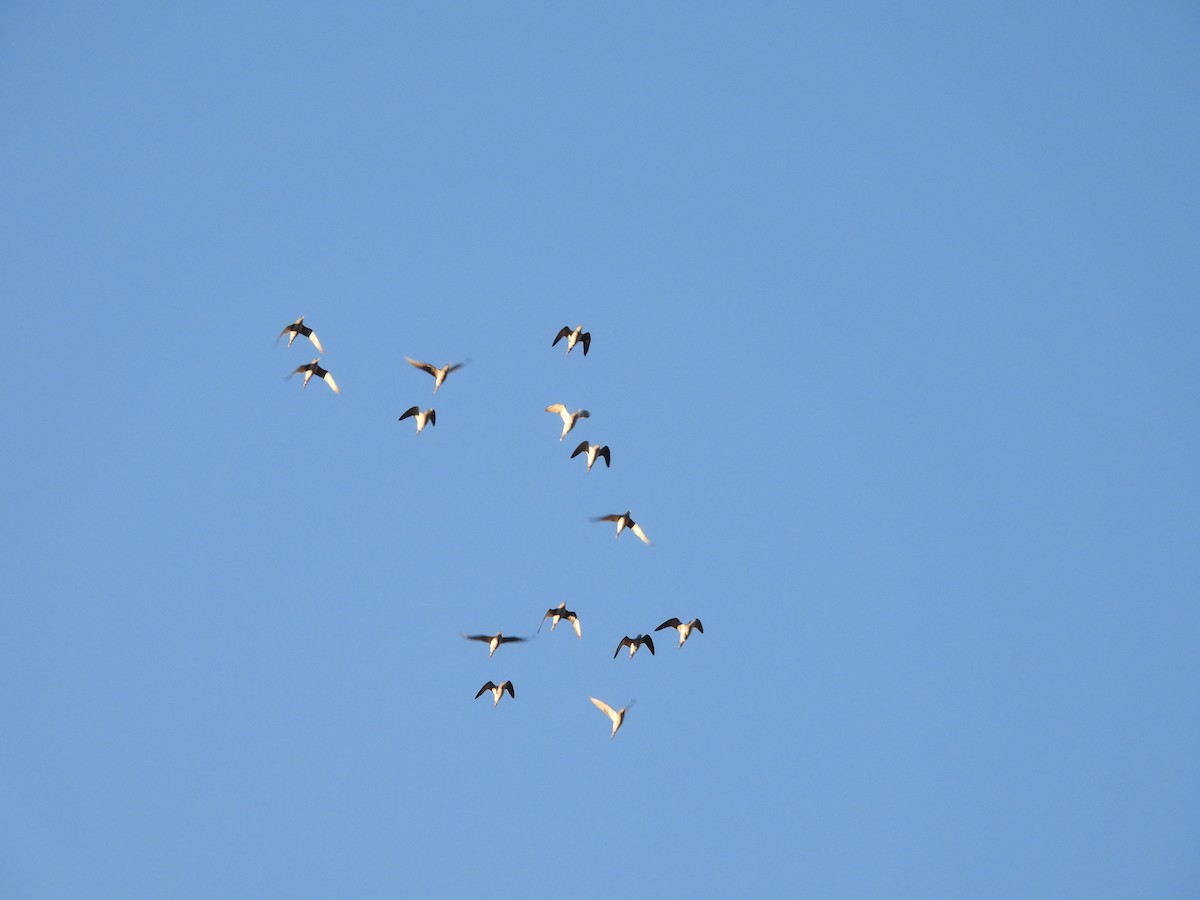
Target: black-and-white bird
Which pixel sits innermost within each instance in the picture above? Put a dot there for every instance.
(572, 337)
(439, 375)
(493, 640)
(561, 612)
(430, 416)
(684, 628)
(497, 691)
(593, 452)
(624, 520)
(299, 329)
(569, 418)
(617, 715)
(633, 643)
(313, 368)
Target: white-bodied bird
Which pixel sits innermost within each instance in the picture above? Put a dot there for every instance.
(439, 375)
(561, 612)
(593, 451)
(313, 368)
(497, 691)
(569, 418)
(430, 416)
(624, 520)
(684, 628)
(633, 643)
(617, 715)
(572, 337)
(299, 329)
(493, 640)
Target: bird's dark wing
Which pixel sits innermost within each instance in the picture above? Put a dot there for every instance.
(411, 411)
(486, 638)
(433, 417)
(454, 368)
(697, 625)
(670, 623)
(603, 451)
(625, 641)
(586, 337)
(511, 640)
(615, 517)
(649, 643)
(562, 334)
(582, 448)
(424, 366)
(487, 687)
(509, 687)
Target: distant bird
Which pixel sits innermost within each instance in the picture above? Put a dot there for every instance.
(439, 375)
(617, 715)
(497, 691)
(430, 416)
(311, 369)
(573, 336)
(569, 418)
(624, 521)
(493, 640)
(593, 451)
(633, 644)
(298, 328)
(561, 612)
(685, 628)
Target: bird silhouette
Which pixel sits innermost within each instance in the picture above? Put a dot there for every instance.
(313, 368)
(684, 628)
(572, 337)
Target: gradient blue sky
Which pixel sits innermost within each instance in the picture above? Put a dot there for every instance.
(895, 345)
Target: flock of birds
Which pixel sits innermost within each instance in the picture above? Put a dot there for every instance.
(592, 453)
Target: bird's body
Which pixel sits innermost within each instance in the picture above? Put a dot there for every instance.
(573, 337)
(493, 640)
(497, 691)
(593, 452)
(684, 628)
(561, 612)
(439, 375)
(299, 329)
(633, 643)
(429, 416)
(569, 418)
(617, 715)
(314, 368)
(624, 520)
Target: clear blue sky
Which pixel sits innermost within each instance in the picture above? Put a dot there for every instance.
(894, 317)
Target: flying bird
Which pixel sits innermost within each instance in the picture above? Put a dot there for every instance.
(299, 329)
(439, 375)
(497, 691)
(617, 715)
(569, 418)
(593, 451)
(561, 612)
(685, 628)
(572, 337)
(633, 644)
(624, 521)
(430, 416)
(313, 368)
(493, 640)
